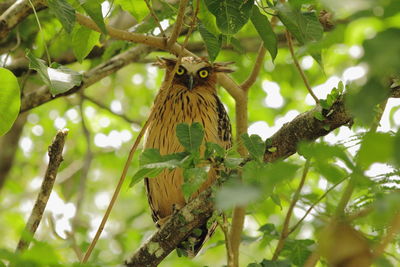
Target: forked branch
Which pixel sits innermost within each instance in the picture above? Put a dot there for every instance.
(55, 155)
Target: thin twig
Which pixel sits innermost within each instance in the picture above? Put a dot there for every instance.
(116, 193)
(256, 69)
(178, 23)
(296, 63)
(85, 168)
(350, 186)
(41, 33)
(55, 155)
(359, 213)
(225, 229)
(153, 14)
(101, 105)
(285, 229)
(315, 204)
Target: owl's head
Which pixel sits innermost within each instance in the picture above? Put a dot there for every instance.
(194, 72)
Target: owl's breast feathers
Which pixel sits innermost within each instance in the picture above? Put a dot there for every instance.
(164, 191)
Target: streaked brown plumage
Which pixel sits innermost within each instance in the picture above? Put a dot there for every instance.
(192, 97)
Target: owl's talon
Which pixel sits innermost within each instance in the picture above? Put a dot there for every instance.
(162, 221)
(176, 207)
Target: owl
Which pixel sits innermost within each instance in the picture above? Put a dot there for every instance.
(190, 98)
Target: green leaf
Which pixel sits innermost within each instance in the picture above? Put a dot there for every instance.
(305, 27)
(194, 178)
(298, 250)
(138, 9)
(330, 171)
(385, 207)
(150, 155)
(190, 136)
(264, 29)
(209, 22)
(231, 15)
(64, 12)
(318, 115)
(93, 9)
(60, 79)
(212, 42)
(235, 194)
(9, 100)
(144, 173)
(269, 174)
(114, 48)
(372, 93)
(277, 200)
(375, 147)
(279, 172)
(152, 163)
(269, 229)
(254, 145)
(383, 64)
(42, 253)
(271, 263)
(213, 149)
(324, 152)
(83, 41)
(232, 163)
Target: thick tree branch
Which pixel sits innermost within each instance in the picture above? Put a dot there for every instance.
(176, 229)
(42, 95)
(16, 13)
(55, 155)
(305, 128)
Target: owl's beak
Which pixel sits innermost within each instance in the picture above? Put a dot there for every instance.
(190, 83)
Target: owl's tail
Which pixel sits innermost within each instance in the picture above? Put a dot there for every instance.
(195, 241)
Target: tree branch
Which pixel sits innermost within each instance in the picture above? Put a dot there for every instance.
(178, 23)
(42, 95)
(16, 13)
(55, 155)
(176, 229)
(285, 230)
(296, 63)
(303, 127)
(101, 105)
(256, 69)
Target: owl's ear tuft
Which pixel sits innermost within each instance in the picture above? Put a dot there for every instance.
(223, 67)
(163, 62)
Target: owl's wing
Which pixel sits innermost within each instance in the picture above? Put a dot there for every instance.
(224, 125)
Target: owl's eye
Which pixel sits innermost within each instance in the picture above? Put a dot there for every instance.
(180, 71)
(203, 73)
